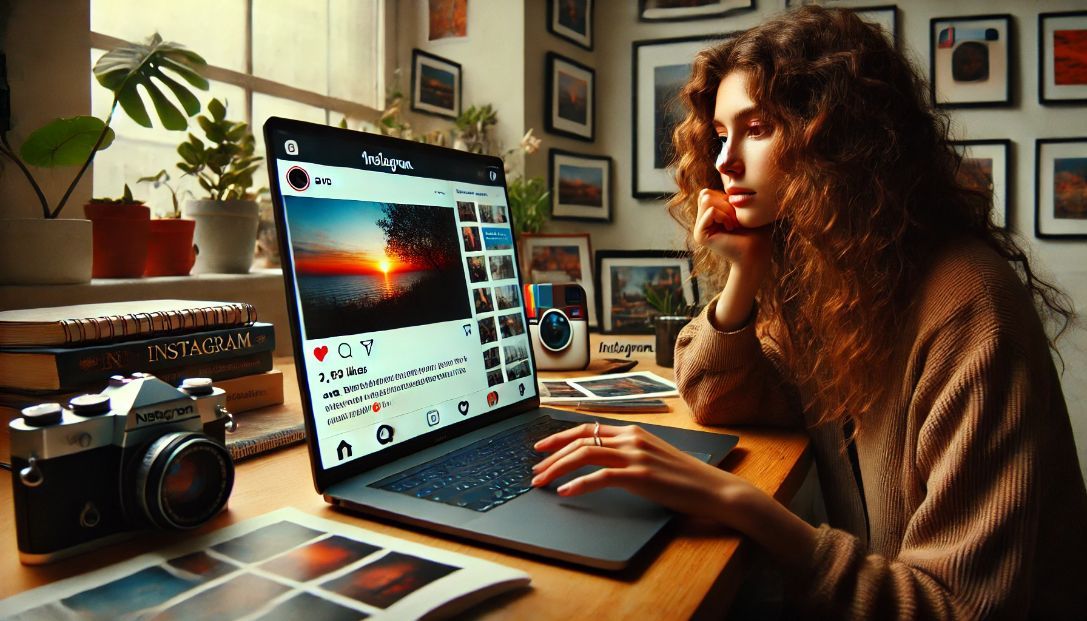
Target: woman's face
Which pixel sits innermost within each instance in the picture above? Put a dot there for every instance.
(747, 140)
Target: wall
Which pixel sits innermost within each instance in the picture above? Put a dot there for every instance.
(645, 224)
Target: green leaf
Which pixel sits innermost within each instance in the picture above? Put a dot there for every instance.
(132, 104)
(189, 153)
(170, 116)
(65, 142)
(217, 109)
(188, 101)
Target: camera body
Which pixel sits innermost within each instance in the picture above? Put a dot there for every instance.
(140, 454)
(558, 324)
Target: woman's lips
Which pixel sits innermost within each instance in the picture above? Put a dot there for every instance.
(741, 199)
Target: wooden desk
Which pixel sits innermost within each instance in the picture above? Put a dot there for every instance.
(693, 569)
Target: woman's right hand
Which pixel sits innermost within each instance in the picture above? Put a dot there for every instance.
(717, 228)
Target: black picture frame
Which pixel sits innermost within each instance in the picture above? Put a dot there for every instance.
(587, 197)
(564, 114)
(1048, 221)
(967, 68)
(431, 99)
(654, 109)
(576, 28)
(999, 151)
(1051, 91)
(885, 15)
(636, 319)
(649, 11)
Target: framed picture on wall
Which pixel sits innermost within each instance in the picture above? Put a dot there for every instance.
(560, 259)
(1062, 57)
(970, 62)
(661, 68)
(580, 186)
(572, 20)
(985, 166)
(435, 84)
(571, 98)
(1060, 188)
(624, 276)
(885, 16)
(683, 10)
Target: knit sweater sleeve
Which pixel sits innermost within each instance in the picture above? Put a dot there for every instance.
(967, 550)
(732, 378)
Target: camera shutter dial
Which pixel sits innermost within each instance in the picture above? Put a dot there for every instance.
(43, 414)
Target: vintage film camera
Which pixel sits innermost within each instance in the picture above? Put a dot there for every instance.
(558, 323)
(141, 454)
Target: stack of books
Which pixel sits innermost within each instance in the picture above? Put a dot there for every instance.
(53, 354)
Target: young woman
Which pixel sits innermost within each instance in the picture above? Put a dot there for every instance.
(869, 299)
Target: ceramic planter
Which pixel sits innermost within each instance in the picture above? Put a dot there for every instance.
(225, 235)
(120, 238)
(170, 249)
(667, 329)
(41, 251)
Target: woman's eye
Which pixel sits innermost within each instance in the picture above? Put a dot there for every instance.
(758, 130)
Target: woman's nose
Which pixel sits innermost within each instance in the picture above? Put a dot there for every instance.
(729, 161)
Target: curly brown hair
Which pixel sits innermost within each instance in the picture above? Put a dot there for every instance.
(869, 188)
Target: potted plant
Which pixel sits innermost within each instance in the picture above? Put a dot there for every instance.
(131, 72)
(170, 251)
(673, 312)
(227, 220)
(120, 227)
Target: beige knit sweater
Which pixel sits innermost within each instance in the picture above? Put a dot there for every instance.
(975, 503)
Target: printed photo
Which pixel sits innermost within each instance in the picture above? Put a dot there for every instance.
(476, 271)
(501, 267)
(306, 606)
(629, 285)
(514, 353)
(667, 82)
(977, 173)
(437, 87)
(559, 389)
(1070, 57)
(517, 370)
(202, 564)
(467, 211)
(570, 98)
(624, 386)
(512, 325)
(482, 298)
(144, 589)
(495, 214)
(495, 377)
(507, 297)
(556, 260)
(369, 267)
(1070, 188)
(388, 580)
(491, 358)
(573, 98)
(314, 560)
(488, 333)
(448, 18)
(266, 542)
(435, 84)
(231, 600)
(579, 185)
(470, 236)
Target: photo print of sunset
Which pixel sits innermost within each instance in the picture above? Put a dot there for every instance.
(368, 267)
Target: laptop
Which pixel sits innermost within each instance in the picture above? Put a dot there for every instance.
(421, 403)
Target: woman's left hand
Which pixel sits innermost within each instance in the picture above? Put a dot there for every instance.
(642, 463)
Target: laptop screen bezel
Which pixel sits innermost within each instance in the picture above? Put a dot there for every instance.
(313, 133)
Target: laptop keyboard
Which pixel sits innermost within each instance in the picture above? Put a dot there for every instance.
(482, 475)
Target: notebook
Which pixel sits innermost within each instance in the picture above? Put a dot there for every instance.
(419, 405)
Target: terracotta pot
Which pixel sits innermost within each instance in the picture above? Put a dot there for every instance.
(225, 236)
(667, 330)
(42, 251)
(120, 239)
(170, 250)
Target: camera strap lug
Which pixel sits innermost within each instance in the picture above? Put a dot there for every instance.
(231, 424)
(31, 475)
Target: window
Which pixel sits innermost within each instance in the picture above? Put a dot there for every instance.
(315, 60)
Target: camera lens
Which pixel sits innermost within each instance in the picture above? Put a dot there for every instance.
(555, 331)
(183, 480)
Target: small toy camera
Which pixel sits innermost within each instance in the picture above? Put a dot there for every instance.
(558, 322)
(141, 454)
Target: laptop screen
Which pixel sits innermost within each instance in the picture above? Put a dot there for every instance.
(405, 285)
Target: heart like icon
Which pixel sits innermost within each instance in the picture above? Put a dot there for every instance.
(320, 352)
(463, 407)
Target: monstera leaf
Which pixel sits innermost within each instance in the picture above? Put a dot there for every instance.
(65, 142)
(130, 66)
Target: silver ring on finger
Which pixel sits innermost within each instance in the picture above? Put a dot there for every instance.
(596, 434)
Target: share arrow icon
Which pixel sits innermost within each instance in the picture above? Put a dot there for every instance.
(368, 344)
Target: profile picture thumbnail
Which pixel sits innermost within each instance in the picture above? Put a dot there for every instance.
(476, 271)
(515, 352)
(512, 325)
(470, 236)
(482, 299)
(494, 214)
(517, 370)
(466, 210)
(507, 296)
(495, 377)
(491, 358)
(362, 266)
(501, 267)
(488, 333)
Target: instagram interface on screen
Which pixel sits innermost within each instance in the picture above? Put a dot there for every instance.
(408, 298)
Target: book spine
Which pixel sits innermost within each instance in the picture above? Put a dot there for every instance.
(91, 329)
(251, 392)
(218, 370)
(156, 356)
(249, 447)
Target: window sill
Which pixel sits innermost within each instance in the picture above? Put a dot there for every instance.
(263, 288)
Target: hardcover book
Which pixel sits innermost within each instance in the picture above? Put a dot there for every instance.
(57, 368)
(92, 323)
